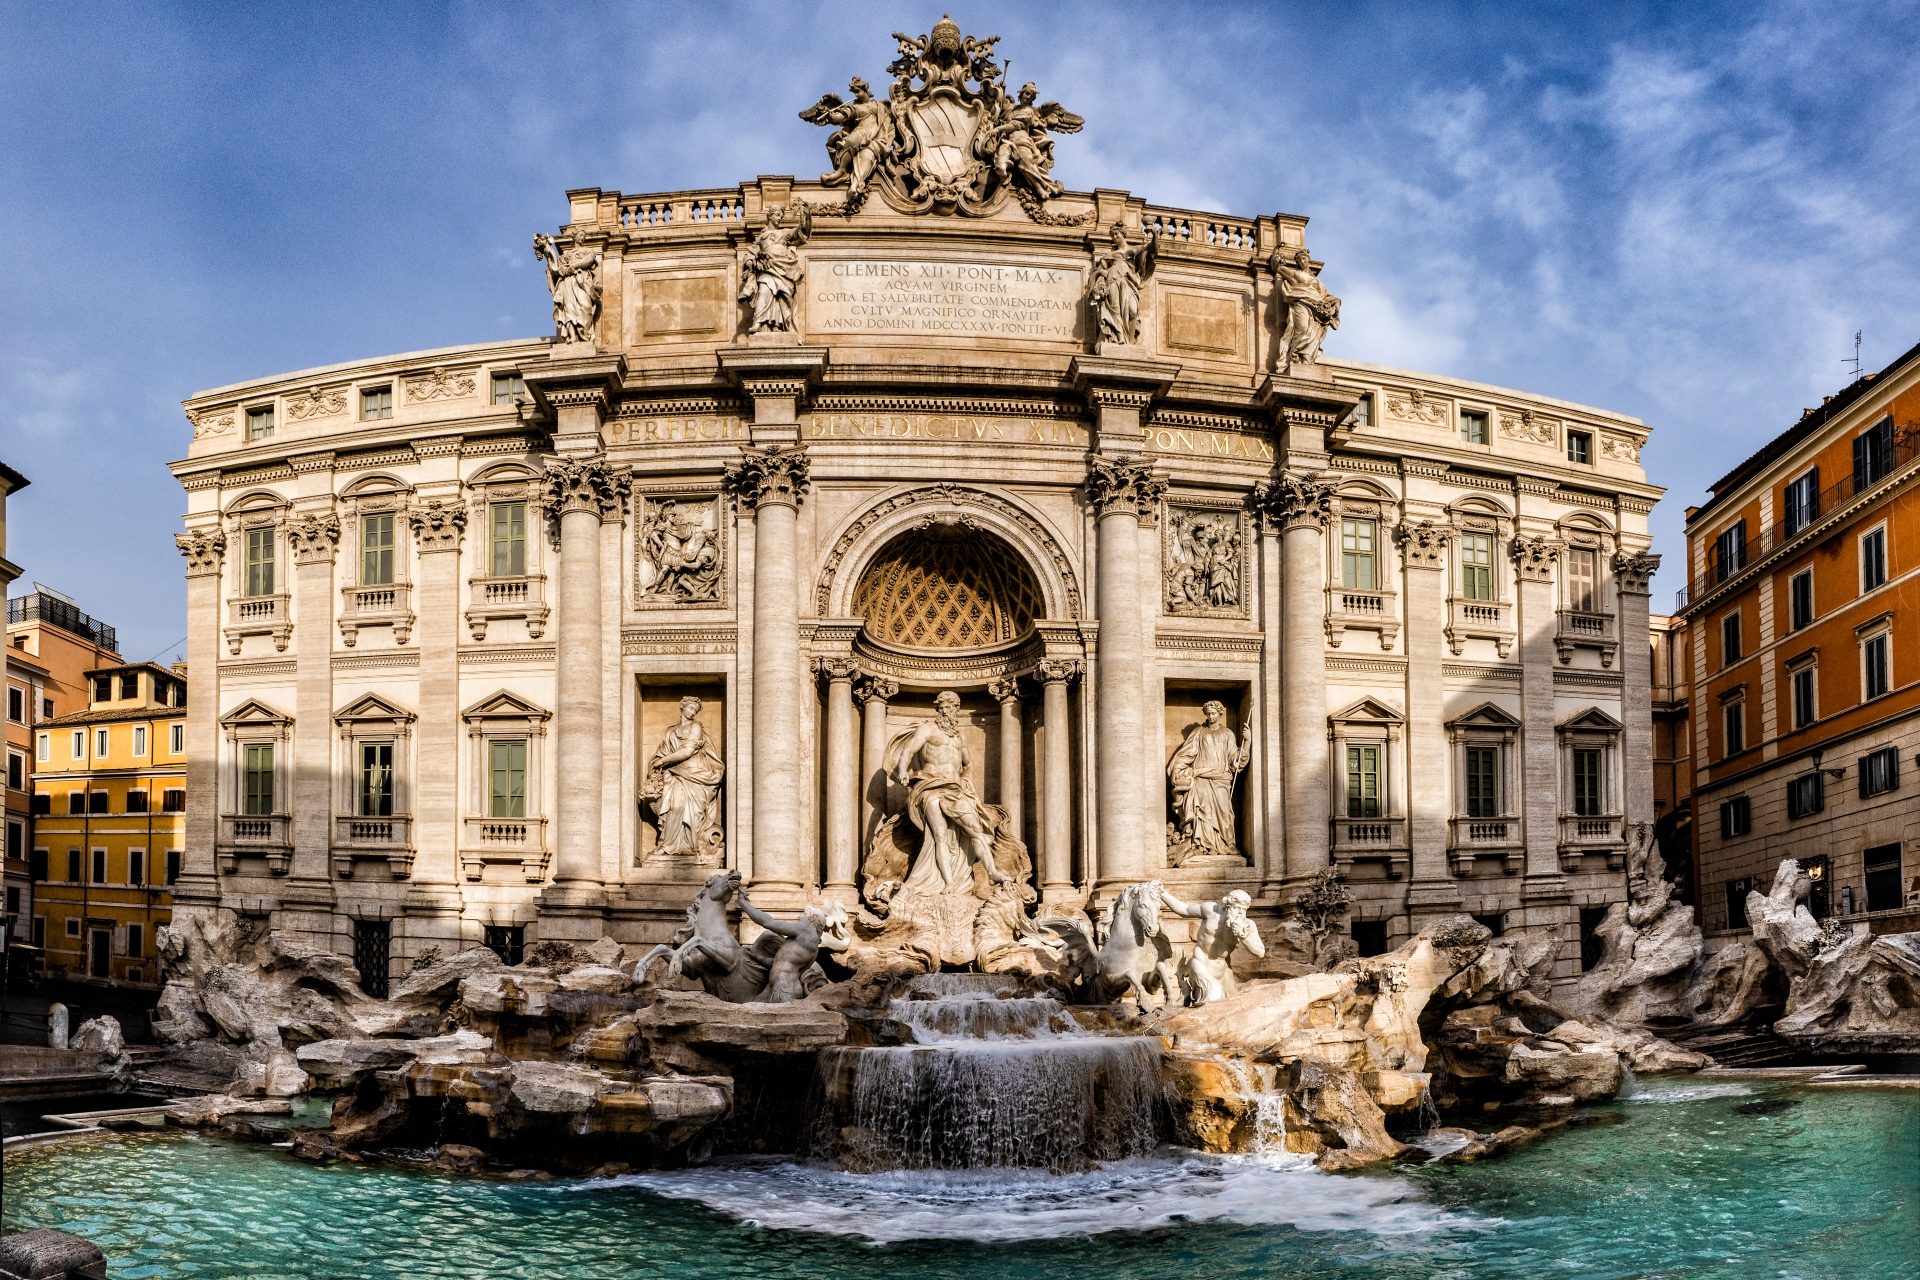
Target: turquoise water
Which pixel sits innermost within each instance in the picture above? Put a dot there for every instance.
(1685, 1187)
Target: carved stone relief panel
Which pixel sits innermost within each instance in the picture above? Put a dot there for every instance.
(1203, 560)
(679, 549)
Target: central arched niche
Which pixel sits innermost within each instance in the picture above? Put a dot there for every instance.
(947, 586)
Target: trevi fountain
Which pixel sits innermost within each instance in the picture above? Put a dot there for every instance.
(945, 683)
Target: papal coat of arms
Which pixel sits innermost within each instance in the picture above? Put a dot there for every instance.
(948, 137)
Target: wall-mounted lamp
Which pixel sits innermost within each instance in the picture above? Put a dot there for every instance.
(1835, 774)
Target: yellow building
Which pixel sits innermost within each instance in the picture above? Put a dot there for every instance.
(110, 802)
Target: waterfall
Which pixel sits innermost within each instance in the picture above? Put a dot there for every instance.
(1268, 1105)
(993, 1079)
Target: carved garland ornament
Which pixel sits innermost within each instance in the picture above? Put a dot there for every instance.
(212, 424)
(1528, 426)
(1417, 406)
(1620, 449)
(1121, 485)
(203, 551)
(776, 475)
(440, 384)
(1290, 501)
(317, 403)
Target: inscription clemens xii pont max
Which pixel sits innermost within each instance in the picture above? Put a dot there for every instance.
(953, 299)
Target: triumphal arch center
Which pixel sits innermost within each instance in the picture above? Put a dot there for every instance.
(923, 537)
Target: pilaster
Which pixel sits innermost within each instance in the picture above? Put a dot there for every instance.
(313, 536)
(1633, 580)
(1423, 550)
(1535, 562)
(204, 550)
(439, 529)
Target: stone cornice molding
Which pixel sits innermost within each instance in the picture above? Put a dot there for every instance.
(1633, 573)
(1119, 398)
(1424, 545)
(774, 475)
(447, 448)
(313, 538)
(1121, 485)
(587, 484)
(868, 688)
(1293, 502)
(309, 463)
(1534, 558)
(203, 550)
(437, 525)
(1049, 670)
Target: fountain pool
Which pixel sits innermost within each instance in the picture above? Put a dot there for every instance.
(1686, 1186)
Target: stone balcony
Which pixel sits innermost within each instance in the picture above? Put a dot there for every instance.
(269, 615)
(1382, 840)
(1577, 628)
(260, 835)
(491, 599)
(504, 842)
(389, 604)
(1480, 619)
(1355, 609)
(384, 839)
(1581, 835)
(1473, 838)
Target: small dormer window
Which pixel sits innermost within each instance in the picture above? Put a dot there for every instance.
(1580, 447)
(1474, 427)
(376, 403)
(260, 422)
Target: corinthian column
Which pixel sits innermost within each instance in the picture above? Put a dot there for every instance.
(874, 693)
(771, 482)
(1125, 494)
(584, 491)
(1007, 694)
(843, 787)
(1300, 509)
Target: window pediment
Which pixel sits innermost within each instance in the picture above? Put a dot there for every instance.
(1592, 720)
(1487, 715)
(371, 711)
(254, 714)
(1368, 711)
(501, 706)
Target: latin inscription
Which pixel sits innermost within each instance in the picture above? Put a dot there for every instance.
(943, 299)
(942, 426)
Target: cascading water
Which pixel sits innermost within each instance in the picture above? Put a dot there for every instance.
(993, 1079)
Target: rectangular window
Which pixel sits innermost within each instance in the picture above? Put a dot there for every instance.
(1802, 501)
(507, 774)
(508, 387)
(1737, 891)
(508, 941)
(1879, 772)
(1588, 780)
(1883, 877)
(43, 747)
(260, 422)
(103, 688)
(1736, 818)
(1476, 566)
(1806, 795)
(259, 566)
(372, 940)
(136, 940)
(1582, 572)
(1873, 559)
(1474, 427)
(507, 539)
(376, 779)
(1357, 571)
(79, 745)
(1363, 781)
(1800, 598)
(1730, 638)
(1877, 676)
(96, 802)
(1804, 712)
(1733, 725)
(136, 866)
(1580, 447)
(16, 841)
(16, 771)
(1730, 552)
(139, 740)
(136, 802)
(173, 865)
(99, 866)
(129, 684)
(41, 803)
(1483, 782)
(177, 739)
(76, 802)
(173, 800)
(376, 403)
(37, 868)
(256, 778)
(16, 705)
(102, 741)
(376, 549)
(1872, 454)
(73, 926)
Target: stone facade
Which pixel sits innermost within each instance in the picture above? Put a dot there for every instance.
(826, 454)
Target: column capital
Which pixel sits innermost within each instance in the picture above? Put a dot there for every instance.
(772, 476)
(587, 484)
(1633, 573)
(1123, 485)
(1005, 690)
(875, 689)
(837, 670)
(1293, 502)
(437, 525)
(1059, 670)
(1424, 545)
(312, 538)
(203, 548)
(1534, 558)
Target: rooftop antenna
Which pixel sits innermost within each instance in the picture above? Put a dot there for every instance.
(1854, 359)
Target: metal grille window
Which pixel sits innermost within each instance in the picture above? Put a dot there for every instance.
(507, 772)
(1483, 782)
(372, 939)
(376, 549)
(1363, 781)
(376, 403)
(258, 579)
(1802, 501)
(376, 779)
(1474, 427)
(1476, 566)
(256, 779)
(1800, 598)
(1804, 712)
(508, 941)
(1873, 559)
(1358, 571)
(1582, 573)
(1588, 791)
(1806, 795)
(1879, 772)
(507, 539)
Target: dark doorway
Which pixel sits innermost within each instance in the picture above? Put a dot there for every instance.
(371, 942)
(99, 953)
(508, 941)
(1370, 936)
(1883, 877)
(1591, 947)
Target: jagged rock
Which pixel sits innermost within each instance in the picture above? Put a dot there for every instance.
(1733, 984)
(1782, 926)
(606, 953)
(689, 1030)
(1862, 992)
(176, 1016)
(341, 1064)
(1646, 965)
(211, 1108)
(1588, 1076)
(600, 978)
(279, 1076)
(508, 991)
(101, 1037)
(1636, 1047)
(439, 981)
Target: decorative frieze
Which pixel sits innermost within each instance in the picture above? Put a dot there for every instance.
(1534, 558)
(1416, 406)
(1289, 501)
(313, 538)
(212, 423)
(1424, 545)
(1620, 449)
(316, 402)
(441, 384)
(203, 549)
(775, 475)
(437, 525)
(1124, 485)
(1528, 426)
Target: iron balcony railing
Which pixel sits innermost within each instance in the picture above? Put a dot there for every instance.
(41, 607)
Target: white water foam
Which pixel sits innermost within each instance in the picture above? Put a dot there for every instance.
(1005, 1205)
(1688, 1090)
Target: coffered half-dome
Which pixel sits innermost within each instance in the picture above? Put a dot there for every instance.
(941, 588)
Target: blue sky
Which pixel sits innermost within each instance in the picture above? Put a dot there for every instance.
(1681, 212)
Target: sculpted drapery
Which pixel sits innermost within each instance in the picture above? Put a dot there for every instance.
(683, 784)
(1202, 771)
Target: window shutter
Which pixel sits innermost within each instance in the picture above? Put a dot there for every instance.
(1861, 445)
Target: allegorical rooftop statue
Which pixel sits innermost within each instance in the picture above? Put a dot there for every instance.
(1307, 309)
(573, 277)
(772, 270)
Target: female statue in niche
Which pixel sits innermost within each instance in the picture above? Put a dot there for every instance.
(683, 786)
(1203, 770)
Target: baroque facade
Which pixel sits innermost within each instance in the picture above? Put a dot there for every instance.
(524, 640)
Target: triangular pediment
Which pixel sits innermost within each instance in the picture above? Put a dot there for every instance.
(254, 712)
(372, 706)
(1592, 720)
(1369, 711)
(504, 705)
(1487, 715)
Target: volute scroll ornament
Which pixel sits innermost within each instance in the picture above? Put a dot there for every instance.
(587, 484)
(1424, 544)
(1634, 573)
(1122, 484)
(312, 538)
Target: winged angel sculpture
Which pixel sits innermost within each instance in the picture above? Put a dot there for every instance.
(948, 136)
